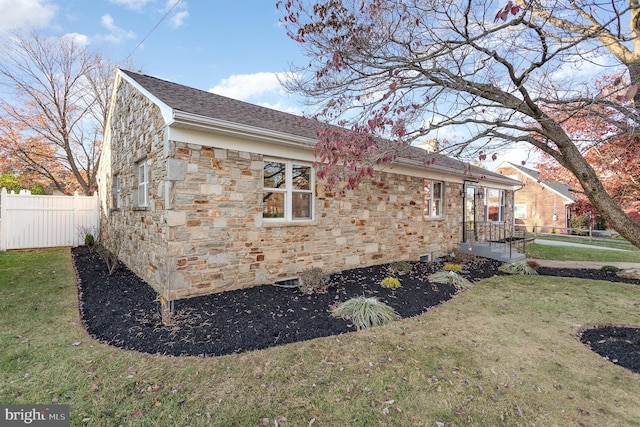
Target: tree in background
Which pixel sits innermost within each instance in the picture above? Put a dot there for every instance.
(495, 71)
(611, 153)
(53, 110)
(14, 183)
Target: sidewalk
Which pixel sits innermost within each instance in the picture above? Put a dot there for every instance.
(580, 264)
(583, 264)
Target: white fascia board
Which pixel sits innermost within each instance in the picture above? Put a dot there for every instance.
(207, 124)
(237, 141)
(165, 110)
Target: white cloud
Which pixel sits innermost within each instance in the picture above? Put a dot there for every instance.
(177, 20)
(25, 14)
(248, 86)
(116, 34)
(78, 39)
(132, 4)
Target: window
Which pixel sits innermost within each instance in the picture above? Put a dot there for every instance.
(520, 211)
(143, 183)
(494, 205)
(287, 191)
(115, 192)
(432, 199)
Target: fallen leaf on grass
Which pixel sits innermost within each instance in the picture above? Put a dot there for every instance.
(279, 419)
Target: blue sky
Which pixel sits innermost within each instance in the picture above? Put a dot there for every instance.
(235, 48)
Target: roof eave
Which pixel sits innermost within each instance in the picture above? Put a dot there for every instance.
(208, 124)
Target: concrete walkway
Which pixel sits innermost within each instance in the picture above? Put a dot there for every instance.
(578, 245)
(584, 264)
(580, 264)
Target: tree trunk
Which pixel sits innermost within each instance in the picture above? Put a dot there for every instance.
(596, 193)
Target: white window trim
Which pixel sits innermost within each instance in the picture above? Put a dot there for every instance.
(143, 185)
(116, 191)
(524, 208)
(427, 210)
(501, 205)
(289, 190)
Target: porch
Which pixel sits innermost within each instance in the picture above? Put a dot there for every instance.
(494, 240)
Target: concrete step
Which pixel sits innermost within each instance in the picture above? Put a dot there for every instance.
(497, 251)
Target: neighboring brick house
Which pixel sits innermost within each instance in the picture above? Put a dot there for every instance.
(543, 204)
(218, 194)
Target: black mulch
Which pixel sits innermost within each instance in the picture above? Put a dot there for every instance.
(121, 310)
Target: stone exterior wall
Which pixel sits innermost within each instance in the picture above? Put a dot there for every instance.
(541, 204)
(137, 235)
(219, 240)
(203, 232)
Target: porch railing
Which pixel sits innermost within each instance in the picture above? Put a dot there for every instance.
(499, 234)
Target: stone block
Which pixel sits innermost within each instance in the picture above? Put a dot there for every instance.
(175, 218)
(176, 169)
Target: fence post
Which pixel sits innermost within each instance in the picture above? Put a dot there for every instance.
(76, 237)
(3, 219)
(96, 213)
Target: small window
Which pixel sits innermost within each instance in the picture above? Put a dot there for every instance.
(433, 199)
(494, 205)
(287, 191)
(520, 211)
(115, 192)
(143, 183)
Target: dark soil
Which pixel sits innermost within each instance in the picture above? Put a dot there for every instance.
(122, 310)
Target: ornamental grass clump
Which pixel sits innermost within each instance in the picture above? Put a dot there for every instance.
(391, 283)
(518, 268)
(365, 312)
(450, 278)
(401, 267)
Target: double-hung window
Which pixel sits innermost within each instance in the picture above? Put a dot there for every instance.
(494, 205)
(115, 192)
(287, 193)
(432, 199)
(143, 183)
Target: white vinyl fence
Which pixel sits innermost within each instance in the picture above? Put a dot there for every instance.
(29, 221)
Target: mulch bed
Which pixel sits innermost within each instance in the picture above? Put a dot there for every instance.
(122, 310)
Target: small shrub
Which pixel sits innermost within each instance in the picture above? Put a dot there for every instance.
(390, 282)
(517, 268)
(365, 312)
(453, 267)
(457, 256)
(533, 264)
(611, 268)
(451, 278)
(401, 267)
(314, 280)
(89, 240)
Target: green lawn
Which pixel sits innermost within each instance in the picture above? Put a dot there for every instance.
(504, 352)
(571, 253)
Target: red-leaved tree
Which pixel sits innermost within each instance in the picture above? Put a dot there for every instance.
(494, 72)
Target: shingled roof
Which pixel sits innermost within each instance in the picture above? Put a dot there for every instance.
(562, 189)
(210, 105)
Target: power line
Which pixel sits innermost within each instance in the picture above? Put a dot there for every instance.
(152, 30)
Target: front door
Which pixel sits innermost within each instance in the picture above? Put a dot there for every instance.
(469, 232)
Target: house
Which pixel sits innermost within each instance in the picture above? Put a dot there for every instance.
(202, 193)
(540, 204)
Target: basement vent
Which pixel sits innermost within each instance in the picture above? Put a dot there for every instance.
(425, 258)
(289, 282)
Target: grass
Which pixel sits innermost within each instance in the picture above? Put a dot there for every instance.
(617, 243)
(572, 253)
(504, 352)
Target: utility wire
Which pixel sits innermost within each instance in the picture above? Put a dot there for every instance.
(152, 30)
